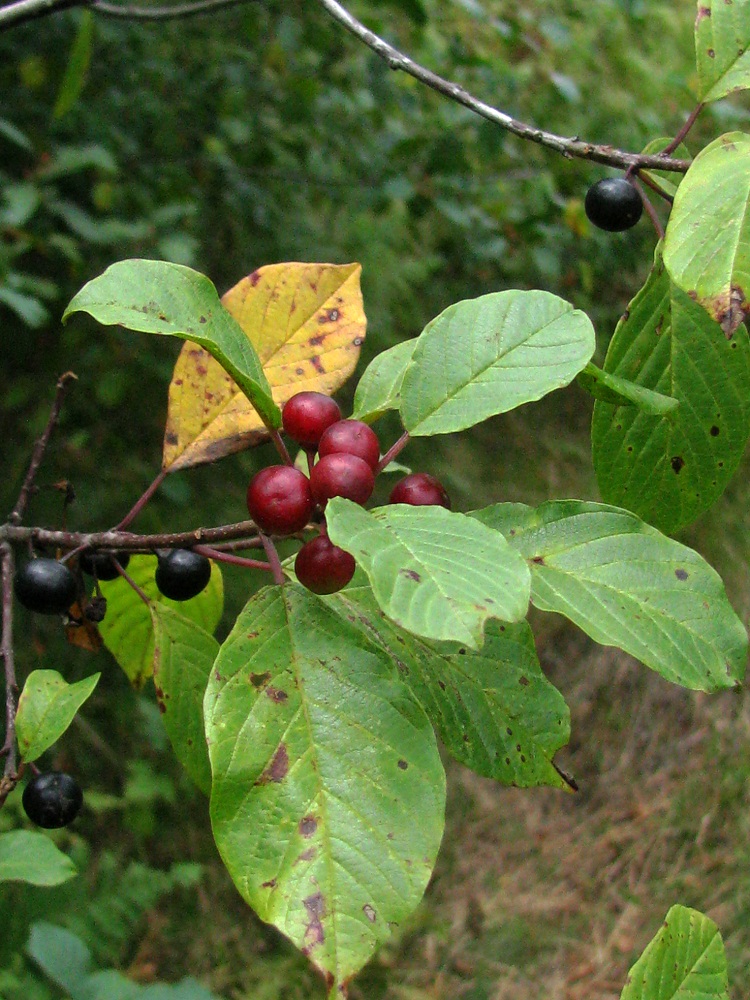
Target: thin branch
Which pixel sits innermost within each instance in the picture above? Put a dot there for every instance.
(137, 13)
(6, 651)
(126, 540)
(273, 559)
(13, 14)
(142, 501)
(16, 515)
(569, 147)
(651, 211)
(688, 124)
(395, 449)
(222, 556)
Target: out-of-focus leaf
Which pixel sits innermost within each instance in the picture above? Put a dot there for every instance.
(306, 322)
(74, 78)
(30, 856)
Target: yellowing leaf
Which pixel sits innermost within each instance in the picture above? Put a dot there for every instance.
(307, 323)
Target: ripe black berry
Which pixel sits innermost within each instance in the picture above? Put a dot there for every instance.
(46, 586)
(420, 489)
(182, 574)
(341, 475)
(307, 415)
(279, 500)
(52, 800)
(323, 567)
(613, 204)
(102, 564)
(351, 437)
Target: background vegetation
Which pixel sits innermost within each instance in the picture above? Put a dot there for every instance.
(264, 134)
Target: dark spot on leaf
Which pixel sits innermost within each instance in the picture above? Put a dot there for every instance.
(411, 574)
(316, 341)
(189, 742)
(307, 855)
(677, 462)
(523, 759)
(307, 826)
(202, 319)
(317, 364)
(714, 432)
(369, 913)
(271, 884)
(462, 651)
(523, 681)
(254, 278)
(403, 765)
(276, 695)
(441, 685)
(171, 438)
(711, 54)
(160, 700)
(358, 341)
(162, 317)
(681, 574)
(389, 836)
(507, 761)
(518, 747)
(509, 731)
(626, 315)
(466, 738)
(316, 910)
(217, 675)
(299, 371)
(539, 560)
(277, 768)
(258, 680)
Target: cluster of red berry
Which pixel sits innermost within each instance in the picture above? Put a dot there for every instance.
(281, 499)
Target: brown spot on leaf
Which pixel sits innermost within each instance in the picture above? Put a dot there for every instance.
(539, 560)
(258, 680)
(277, 767)
(441, 685)
(271, 884)
(711, 54)
(317, 341)
(316, 910)
(358, 341)
(276, 695)
(331, 316)
(677, 462)
(369, 912)
(411, 574)
(254, 278)
(403, 765)
(681, 574)
(171, 438)
(317, 364)
(202, 319)
(523, 681)
(160, 700)
(714, 432)
(307, 826)
(307, 855)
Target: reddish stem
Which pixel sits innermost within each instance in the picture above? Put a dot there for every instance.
(273, 559)
(392, 452)
(650, 211)
(141, 502)
(227, 557)
(281, 447)
(129, 579)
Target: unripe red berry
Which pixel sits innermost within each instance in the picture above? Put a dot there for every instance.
(341, 475)
(351, 437)
(307, 415)
(323, 567)
(279, 500)
(420, 489)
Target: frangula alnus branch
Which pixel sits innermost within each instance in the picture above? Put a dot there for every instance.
(127, 541)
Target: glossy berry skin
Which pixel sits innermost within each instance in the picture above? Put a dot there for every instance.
(52, 800)
(279, 500)
(351, 437)
(323, 567)
(102, 564)
(307, 415)
(613, 204)
(182, 574)
(341, 475)
(45, 585)
(420, 489)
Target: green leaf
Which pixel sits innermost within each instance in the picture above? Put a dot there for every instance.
(183, 656)
(436, 573)
(30, 856)
(62, 956)
(46, 708)
(379, 389)
(494, 710)
(487, 355)
(707, 242)
(669, 469)
(321, 761)
(722, 39)
(622, 392)
(685, 961)
(174, 301)
(74, 79)
(128, 630)
(625, 584)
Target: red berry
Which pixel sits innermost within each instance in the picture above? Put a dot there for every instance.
(306, 415)
(420, 489)
(323, 567)
(279, 500)
(342, 476)
(351, 437)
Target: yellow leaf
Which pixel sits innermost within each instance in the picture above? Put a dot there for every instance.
(307, 323)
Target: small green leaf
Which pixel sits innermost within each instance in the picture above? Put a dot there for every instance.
(413, 558)
(174, 301)
(488, 355)
(685, 961)
(128, 630)
(622, 392)
(707, 241)
(183, 656)
(627, 585)
(321, 761)
(722, 40)
(30, 856)
(494, 710)
(74, 79)
(46, 708)
(671, 468)
(379, 389)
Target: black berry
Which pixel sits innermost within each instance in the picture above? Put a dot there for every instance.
(307, 415)
(323, 567)
(102, 564)
(341, 475)
(351, 437)
(420, 489)
(279, 500)
(182, 574)
(52, 800)
(45, 585)
(613, 204)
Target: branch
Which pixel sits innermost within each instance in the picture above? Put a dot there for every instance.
(16, 515)
(13, 14)
(6, 652)
(569, 147)
(137, 13)
(126, 540)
